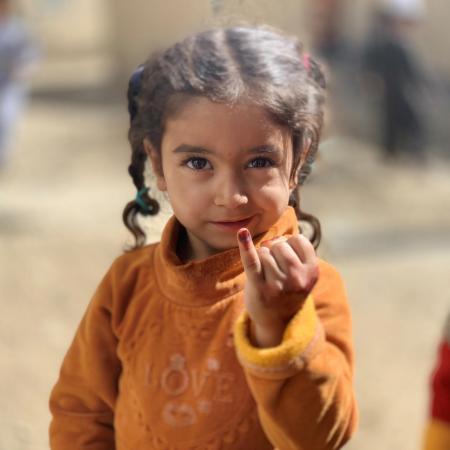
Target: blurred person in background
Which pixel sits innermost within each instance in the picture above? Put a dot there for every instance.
(437, 434)
(327, 35)
(18, 55)
(393, 71)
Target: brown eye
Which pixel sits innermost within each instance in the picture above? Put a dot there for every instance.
(198, 164)
(261, 163)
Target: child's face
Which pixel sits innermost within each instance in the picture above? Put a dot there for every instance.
(224, 168)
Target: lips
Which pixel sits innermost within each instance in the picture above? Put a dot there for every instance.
(233, 224)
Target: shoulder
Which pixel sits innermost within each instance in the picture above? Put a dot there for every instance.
(128, 274)
(133, 262)
(128, 277)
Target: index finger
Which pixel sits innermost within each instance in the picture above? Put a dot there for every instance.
(249, 255)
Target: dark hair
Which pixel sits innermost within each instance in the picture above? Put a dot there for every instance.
(227, 65)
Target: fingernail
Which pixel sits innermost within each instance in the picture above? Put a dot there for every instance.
(244, 236)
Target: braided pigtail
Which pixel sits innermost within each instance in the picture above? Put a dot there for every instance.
(302, 216)
(143, 204)
(308, 142)
(315, 101)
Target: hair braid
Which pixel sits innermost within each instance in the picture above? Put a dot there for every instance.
(303, 216)
(143, 204)
(137, 167)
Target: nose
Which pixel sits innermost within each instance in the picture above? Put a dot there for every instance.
(230, 192)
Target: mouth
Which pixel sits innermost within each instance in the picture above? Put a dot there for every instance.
(233, 224)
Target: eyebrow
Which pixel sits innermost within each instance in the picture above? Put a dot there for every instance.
(186, 148)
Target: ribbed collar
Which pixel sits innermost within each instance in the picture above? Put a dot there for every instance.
(206, 281)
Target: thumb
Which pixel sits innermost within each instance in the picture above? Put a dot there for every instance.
(249, 255)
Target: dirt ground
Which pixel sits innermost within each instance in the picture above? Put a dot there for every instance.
(387, 229)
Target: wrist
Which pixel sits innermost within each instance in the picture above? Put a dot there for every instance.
(267, 335)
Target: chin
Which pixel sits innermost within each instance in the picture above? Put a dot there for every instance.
(222, 246)
(225, 246)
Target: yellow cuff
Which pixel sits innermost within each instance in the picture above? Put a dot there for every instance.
(298, 339)
(437, 436)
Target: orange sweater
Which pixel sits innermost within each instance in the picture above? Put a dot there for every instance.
(161, 360)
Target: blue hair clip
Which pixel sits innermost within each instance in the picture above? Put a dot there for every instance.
(141, 202)
(134, 86)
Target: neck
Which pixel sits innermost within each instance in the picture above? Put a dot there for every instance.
(184, 249)
(205, 280)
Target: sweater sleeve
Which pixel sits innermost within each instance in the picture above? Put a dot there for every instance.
(82, 401)
(304, 386)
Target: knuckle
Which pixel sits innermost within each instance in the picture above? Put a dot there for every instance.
(294, 239)
(275, 288)
(279, 243)
(313, 272)
(296, 285)
(306, 244)
(304, 240)
(252, 264)
(293, 270)
(304, 281)
(275, 241)
(311, 277)
(263, 252)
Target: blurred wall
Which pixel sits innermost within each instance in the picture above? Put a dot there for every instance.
(75, 37)
(127, 31)
(143, 26)
(69, 25)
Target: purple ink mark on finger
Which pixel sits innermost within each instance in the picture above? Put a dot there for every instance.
(244, 238)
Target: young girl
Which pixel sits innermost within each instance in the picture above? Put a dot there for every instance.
(229, 333)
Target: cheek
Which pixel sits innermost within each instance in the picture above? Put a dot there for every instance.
(275, 184)
(183, 192)
(273, 195)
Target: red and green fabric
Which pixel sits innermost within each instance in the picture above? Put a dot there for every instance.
(437, 435)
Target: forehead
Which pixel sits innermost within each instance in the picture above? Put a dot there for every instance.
(199, 121)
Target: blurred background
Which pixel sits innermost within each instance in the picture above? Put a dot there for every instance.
(381, 183)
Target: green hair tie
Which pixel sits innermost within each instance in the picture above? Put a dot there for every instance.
(141, 202)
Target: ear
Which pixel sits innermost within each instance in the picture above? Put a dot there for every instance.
(306, 146)
(156, 162)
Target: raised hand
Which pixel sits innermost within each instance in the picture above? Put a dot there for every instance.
(280, 275)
